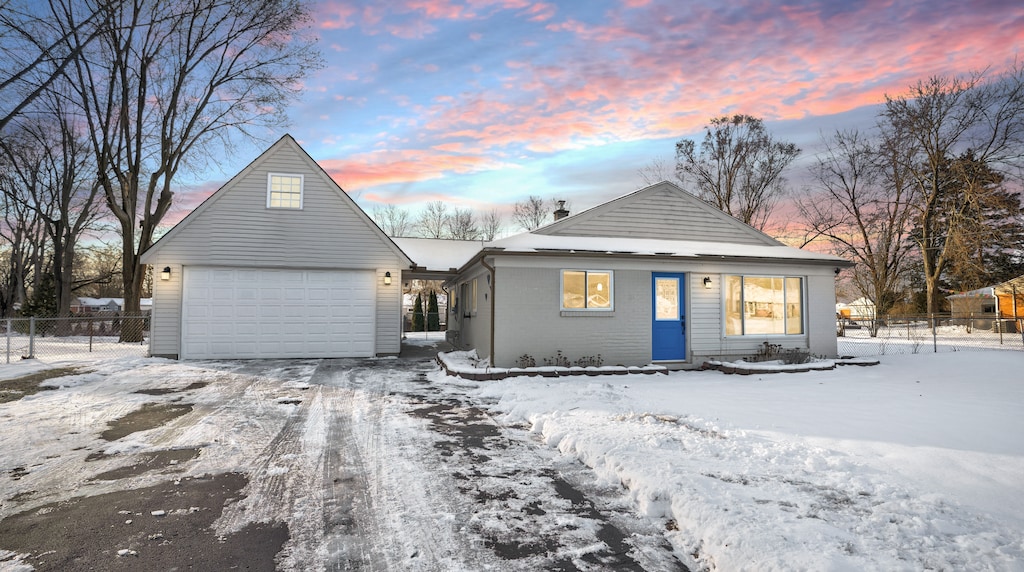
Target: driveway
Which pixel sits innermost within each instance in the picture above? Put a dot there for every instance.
(379, 464)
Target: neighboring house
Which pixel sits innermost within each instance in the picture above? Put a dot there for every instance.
(1005, 299)
(280, 262)
(86, 305)
(860, 309)
(654, 276)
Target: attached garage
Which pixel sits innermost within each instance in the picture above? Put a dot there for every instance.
(278, 263)
(267, 313)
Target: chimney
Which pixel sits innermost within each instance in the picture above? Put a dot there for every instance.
(561, 212)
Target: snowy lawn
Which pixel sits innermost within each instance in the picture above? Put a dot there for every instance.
(917, 463)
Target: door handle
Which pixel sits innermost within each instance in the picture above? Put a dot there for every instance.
(682, 323)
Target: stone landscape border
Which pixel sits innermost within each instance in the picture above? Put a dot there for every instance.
(454, 369)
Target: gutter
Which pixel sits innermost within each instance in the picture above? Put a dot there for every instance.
(842, 263)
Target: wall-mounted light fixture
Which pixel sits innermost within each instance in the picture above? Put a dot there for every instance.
(166, 274)
(387, 279)
(707, 282)
(837, 271)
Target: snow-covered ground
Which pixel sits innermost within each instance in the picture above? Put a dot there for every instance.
(917, 463)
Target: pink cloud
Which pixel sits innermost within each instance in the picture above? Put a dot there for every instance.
(403, 166)
(655, 70)
(335, 15)
(541, 12)
(411, 30)
(439, 9)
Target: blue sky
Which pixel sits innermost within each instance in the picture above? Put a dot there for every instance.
(480, 103)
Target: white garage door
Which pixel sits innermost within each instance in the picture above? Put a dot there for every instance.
(257, 313)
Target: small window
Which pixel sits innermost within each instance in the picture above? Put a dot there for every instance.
(586, 290)
(284, 191)
(763, 305)
(474, 296)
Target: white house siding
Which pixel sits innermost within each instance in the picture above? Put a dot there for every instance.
(389, 313)
(819, 336)
(474, 327)
(165, 319)
(529, 320)
(661, 213)
(821, 311)
(235, 228)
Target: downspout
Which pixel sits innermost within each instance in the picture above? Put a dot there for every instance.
(493, 285)
(447, 310)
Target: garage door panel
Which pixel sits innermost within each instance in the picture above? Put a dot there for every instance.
(250, 313)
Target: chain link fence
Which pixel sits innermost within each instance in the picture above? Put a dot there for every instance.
(931, 333)
(76, 337)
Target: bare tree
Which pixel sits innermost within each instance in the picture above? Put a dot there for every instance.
(433, 221)
(490, 225)
(51, 162)
(98, 270)
(738, 167)
(657, 170)
(862, 204)
(35, 39)
(165, 83)
(531, 213)
(393, 220)
(22, 229)
(940, 120)
(462, 225)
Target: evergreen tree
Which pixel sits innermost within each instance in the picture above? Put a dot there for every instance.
(43, 302)
(433, 319)
(417, 315)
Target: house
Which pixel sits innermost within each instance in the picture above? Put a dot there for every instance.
(860, 309)
(86, 305)
(280, 262)
(654, 276)
(1004, 300)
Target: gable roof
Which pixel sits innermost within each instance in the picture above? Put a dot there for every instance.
(661, 211)
(312, 168)
(659, 221)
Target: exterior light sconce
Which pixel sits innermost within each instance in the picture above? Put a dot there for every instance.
(387, 279)
(166, 274)
(837, 271)
(707, 282)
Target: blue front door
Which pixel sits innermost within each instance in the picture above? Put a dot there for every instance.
(669, 329)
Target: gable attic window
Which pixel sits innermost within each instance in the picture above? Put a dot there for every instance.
(587, 290)
(284, 191)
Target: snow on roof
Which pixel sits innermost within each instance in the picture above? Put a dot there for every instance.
(531, 242)
(442, 255)
(119, 302)
(988, 292)
(439, 253)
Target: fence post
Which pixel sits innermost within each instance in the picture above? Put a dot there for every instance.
(90, 334)
(32, 337)
(8, 340)
(935, 334)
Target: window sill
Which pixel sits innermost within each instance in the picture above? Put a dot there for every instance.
(587, 314)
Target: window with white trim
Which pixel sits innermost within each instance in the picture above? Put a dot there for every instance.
(284, 191)
(764, 305)
(587, 290)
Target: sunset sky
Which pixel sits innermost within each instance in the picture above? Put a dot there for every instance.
(480, 103)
